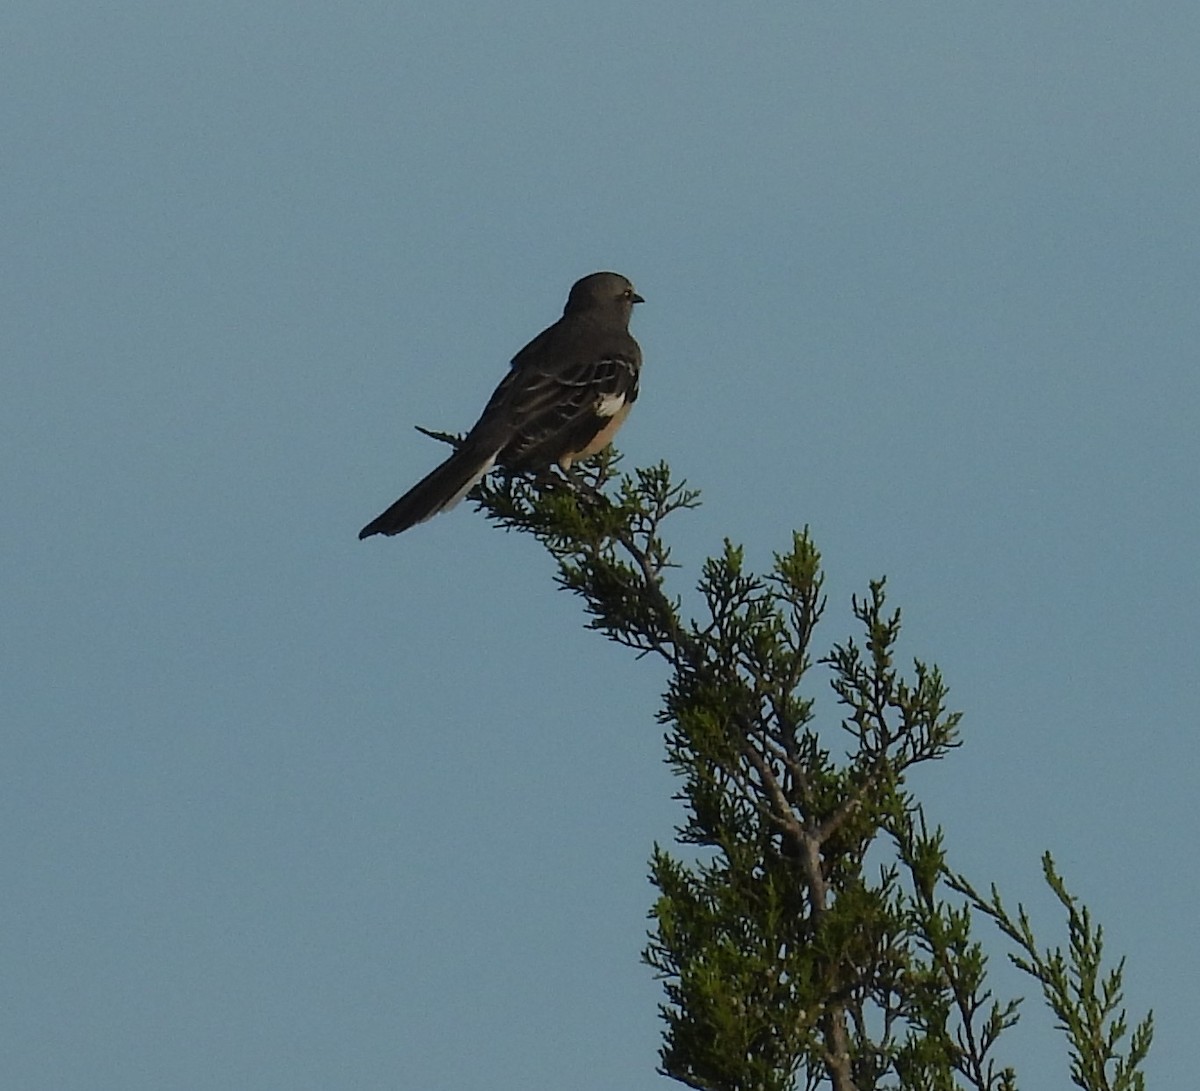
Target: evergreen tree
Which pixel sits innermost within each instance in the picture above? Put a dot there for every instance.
(787, 959)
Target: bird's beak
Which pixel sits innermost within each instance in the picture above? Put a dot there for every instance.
(637, 298)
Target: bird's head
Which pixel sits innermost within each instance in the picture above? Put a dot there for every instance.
(602, 292)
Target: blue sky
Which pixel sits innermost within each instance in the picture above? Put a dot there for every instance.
(286, 810)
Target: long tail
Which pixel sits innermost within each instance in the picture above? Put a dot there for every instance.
(438, 491)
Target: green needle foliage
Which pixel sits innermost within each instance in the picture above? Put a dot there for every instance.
(787, 959)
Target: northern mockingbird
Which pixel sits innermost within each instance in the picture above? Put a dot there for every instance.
(565, 396)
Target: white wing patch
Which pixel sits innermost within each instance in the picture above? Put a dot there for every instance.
(610, 405)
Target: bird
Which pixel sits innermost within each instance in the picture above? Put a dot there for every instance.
(564, 397)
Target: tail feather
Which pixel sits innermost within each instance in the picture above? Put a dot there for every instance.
(437, 491)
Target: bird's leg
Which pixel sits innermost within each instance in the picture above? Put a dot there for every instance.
(582, 485)
(571, 479)
(550, 481)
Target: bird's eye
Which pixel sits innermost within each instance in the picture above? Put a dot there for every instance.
(627, 294)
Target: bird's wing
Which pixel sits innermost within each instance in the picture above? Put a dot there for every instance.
(552, 413)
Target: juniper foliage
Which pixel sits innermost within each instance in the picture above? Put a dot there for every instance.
(788, 959)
